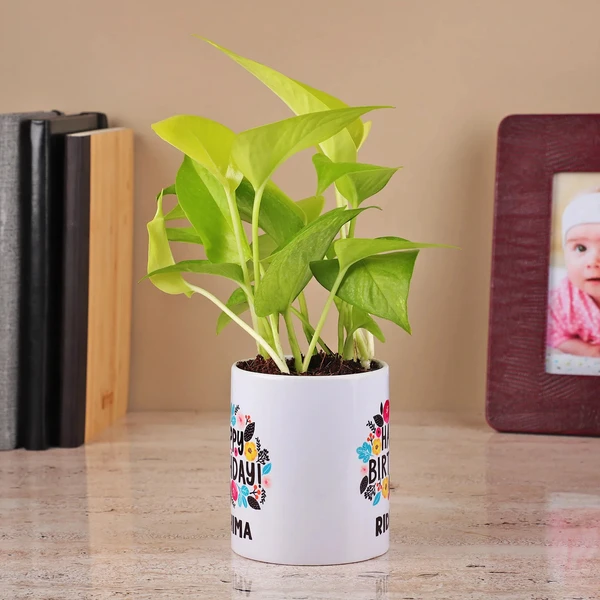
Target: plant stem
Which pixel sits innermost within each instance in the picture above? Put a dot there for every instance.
(352, 228)
(239, 234)
(341, 203)
(293, 340)
(255, 249)
(273, 325)
(306, 326)
(341, 330)
(280, 363)
(264, 329)
(321, 322)
(348, 348)
(311, 330)
(342, 314)
(275, 329)
(303, 306)
(370, 343)
(363, 350)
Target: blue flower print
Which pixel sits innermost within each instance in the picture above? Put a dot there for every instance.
(233, 415)
(364, 452)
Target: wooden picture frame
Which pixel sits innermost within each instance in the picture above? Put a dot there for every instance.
(521, 395)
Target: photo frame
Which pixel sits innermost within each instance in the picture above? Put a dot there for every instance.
(521, 395)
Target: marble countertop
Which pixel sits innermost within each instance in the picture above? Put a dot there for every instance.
(144, 513)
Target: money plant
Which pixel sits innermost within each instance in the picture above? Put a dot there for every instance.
(225, 179)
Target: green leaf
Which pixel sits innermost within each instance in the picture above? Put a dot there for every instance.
(359, 319)
(362, 320)
(355, 129)
(160, 256)
(363, 180)
(228, 270)
(168, 191)
(351, 250)
(309, 331)
(312, 207)
(378, 285)
(289, 271)
(302, 99)
(258, 152)
(366, 131)
(183, 234)
(207, 142)
(266, 246)
(238, 303)
(205, 215)
(215, 189)
(175, 213)
(279, 216)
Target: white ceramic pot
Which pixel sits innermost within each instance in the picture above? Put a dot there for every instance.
(310, 467)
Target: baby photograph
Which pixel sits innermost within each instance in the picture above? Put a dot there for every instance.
(573, 323)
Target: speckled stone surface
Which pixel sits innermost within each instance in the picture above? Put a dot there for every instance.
(144, 513)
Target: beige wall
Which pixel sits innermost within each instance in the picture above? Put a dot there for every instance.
(453, 69)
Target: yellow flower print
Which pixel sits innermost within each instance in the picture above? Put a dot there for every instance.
(385, 485)
(250, 451)
(376, 446)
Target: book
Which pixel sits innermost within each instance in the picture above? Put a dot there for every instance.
(97, 283)
(43, 181)
(11, 126)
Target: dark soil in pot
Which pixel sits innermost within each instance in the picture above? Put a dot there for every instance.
(320, 364)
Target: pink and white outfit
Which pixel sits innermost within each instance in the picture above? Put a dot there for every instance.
(572, 314)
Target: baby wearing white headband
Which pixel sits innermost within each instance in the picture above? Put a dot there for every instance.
(574, 306)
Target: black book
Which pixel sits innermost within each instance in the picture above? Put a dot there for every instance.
(97, 273)
(41, 258)
(10, 268)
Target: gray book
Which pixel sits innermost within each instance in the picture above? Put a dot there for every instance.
(11, 148)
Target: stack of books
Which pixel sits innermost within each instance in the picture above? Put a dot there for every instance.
(66, 227)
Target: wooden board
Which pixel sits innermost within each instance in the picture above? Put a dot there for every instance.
(110, 279)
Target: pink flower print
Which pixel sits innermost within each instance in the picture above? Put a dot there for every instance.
(234, 491)
(235, 451)
(363, 470)
(378, 432)
(240, 420)
(386, 411)
(266, 482)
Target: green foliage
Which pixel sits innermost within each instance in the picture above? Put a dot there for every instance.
(312, 207)
(303, 99)
(279, 216)
(205, 141)
(379, 285)
(238, 303)
(206, 267)
(187, 235)
(289, 271)
(361, 181)
(225, 180)
(160, 256)
(350, 251)
(258, 152)
(205, 213)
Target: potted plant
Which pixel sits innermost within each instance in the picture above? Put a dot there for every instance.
(309, 432)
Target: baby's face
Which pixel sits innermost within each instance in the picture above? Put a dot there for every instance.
(582, 256)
